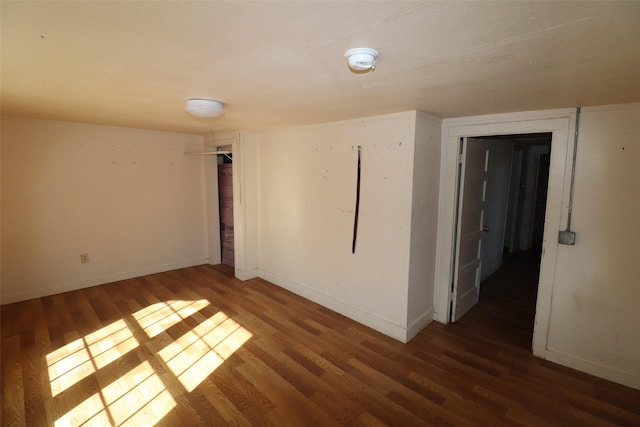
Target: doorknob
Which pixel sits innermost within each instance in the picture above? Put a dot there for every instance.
(486, 228)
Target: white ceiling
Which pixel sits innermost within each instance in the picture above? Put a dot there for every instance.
(277, 64)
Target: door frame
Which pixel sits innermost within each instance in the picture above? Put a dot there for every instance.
(245, 200)
(559, 123)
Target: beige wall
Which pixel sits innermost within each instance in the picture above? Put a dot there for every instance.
(129, 198)
(424, 222)
(307, 188)
(595, 307)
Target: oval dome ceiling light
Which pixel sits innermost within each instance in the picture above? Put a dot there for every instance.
(204, 108)
(361, 58)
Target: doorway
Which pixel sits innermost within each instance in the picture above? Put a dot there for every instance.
(225, 203)
(561, 124)
(221, 203)
(500, 216)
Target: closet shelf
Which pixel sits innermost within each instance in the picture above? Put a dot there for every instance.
(206, 153)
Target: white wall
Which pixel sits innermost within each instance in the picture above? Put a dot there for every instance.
(424, 222)
(499, 177)
(594, 313)
(245, 205)
(129, 198)
(307, 181)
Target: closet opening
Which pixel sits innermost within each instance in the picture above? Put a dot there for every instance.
(225, 205)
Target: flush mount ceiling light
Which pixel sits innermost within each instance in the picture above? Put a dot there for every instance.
(361, 58)
(204, 108)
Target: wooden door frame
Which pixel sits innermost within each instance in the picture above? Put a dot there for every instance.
(559, 123)
(245, 199)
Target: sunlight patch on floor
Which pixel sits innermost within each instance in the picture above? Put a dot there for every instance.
(137, 398)
(140, 397)
(84, 356)
(159, 317)
(196, 354)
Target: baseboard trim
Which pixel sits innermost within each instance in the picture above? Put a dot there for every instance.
(247, 274)
(377, 323)
(592, 368)
(419, 324)
(98, 280)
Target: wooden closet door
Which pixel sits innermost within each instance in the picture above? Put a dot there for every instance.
(225, 191)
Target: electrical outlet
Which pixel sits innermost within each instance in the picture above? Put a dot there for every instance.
(84, 258)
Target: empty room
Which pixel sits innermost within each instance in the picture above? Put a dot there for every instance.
(320, 213)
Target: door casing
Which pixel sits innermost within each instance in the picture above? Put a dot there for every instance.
(559, 123)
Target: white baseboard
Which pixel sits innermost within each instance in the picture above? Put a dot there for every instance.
(247, 274)
(592, 368)
(98, 280)
(381, 325)
(419, 324)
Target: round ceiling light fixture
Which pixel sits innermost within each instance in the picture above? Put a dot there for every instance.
(204, 108)
(362, 58)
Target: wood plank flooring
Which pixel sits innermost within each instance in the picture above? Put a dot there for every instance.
(195, 347)
(506, 311)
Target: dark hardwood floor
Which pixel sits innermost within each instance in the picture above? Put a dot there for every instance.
(196, 347)
(506, 311)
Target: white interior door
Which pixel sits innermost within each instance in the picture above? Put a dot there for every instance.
(470, 226)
